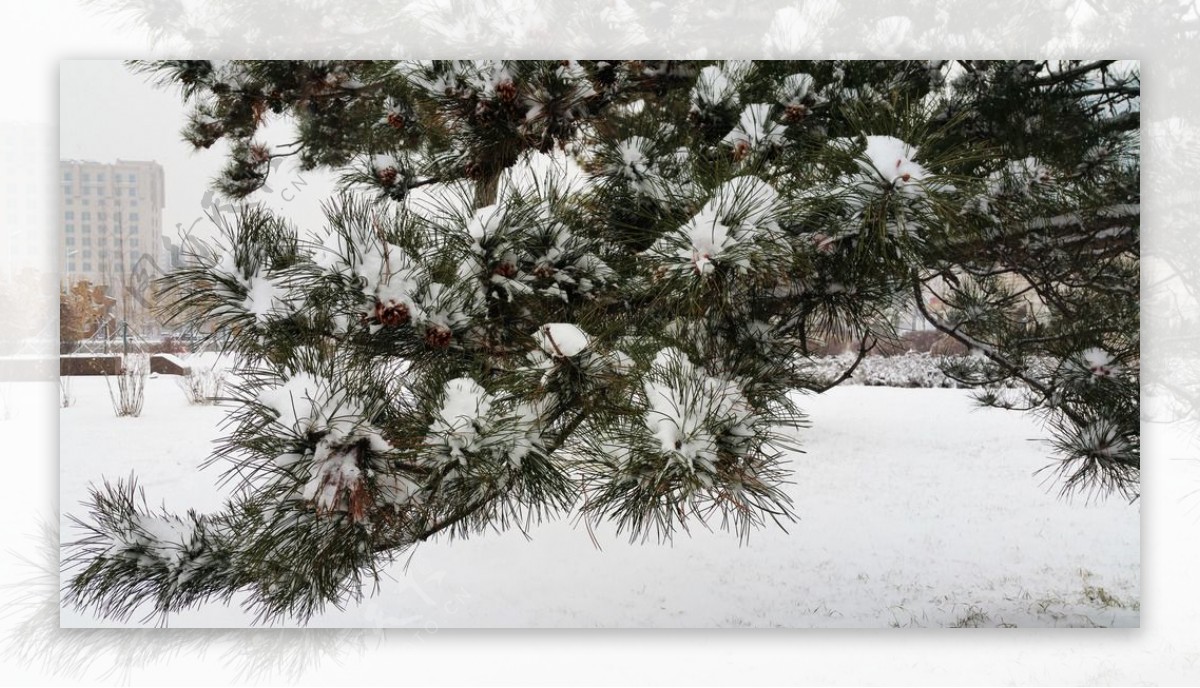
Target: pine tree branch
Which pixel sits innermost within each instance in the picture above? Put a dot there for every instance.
(987, 350)
(454, 519)
(1073, 73)
(466, 512)
(1113, 90)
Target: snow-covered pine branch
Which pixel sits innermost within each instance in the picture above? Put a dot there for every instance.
(586, 285)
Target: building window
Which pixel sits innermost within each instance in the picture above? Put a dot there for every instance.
(70, 241)
(133, 203)
(67, 176)
(67, 190)
(70, 215)
(87, 191)
(84, 201)
(133, 217)
(100, 176)
(133, 241)
(71, 266)
(70, 228)
(132, 191)
(132, 178)
(87, 253)
(87, 266)
(133, 257)
(85, 215)
(85, 177)
(116, 176)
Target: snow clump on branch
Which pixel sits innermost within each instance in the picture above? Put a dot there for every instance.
(693, 414)
(755, 132)
(736, 227)
(562, 340)
(891, 160)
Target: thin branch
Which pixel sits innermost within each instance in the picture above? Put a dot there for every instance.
(863, 350)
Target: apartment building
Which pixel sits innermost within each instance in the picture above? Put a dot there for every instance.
(112, 219)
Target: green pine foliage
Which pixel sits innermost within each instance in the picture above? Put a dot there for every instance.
(478, 339)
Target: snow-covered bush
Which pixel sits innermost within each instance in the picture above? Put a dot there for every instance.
(202, 384)
(916, 369)
(903, 370)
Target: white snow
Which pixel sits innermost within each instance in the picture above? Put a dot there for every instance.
(755, 129)
(708, 238)
(167, 538)
(748, 201)
(1099, 362)
(562, 340)
(713, 87)
(265, 297)
(383, 161)
(635, 166)
(1102, 438)
(296, 400)
(464, 407)
(916, 508)
(1029, 172)
(688, 408)
(793, 89)
(732, 226)
(306, 404)
(656, 176)
(892, 159)
(334, 471)
(485, 222)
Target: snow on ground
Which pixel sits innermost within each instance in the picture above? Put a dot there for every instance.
(916, 508)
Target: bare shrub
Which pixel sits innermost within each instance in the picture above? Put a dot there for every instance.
(130, 393)
(64, 391)
(202, 386)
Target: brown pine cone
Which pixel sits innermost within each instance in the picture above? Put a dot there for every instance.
(438, 336)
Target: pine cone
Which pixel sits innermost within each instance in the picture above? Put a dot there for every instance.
(795, 113)
(506, 91)
(386, 176)
(505, 269)
(740, 150)
(392, 314)
(395, 121)
(438, 336)
(259, 154)
(483, 111)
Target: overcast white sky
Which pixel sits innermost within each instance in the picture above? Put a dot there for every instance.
(108, 112)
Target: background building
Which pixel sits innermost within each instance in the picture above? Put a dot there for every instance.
(112, 218)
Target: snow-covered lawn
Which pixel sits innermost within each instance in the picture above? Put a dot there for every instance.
(916, 509)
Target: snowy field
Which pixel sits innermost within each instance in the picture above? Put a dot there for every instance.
(917, 509)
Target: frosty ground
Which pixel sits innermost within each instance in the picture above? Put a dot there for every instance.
(916, 509)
